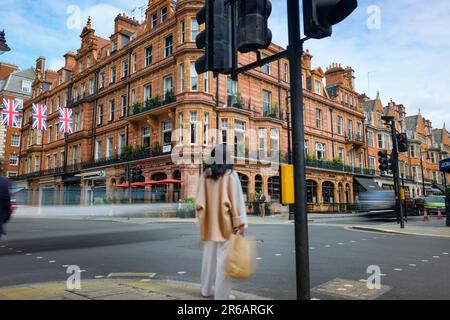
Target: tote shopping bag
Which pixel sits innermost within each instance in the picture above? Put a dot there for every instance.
(240, 263)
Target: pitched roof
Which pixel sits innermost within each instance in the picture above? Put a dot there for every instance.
(411, 122)
(13, 83)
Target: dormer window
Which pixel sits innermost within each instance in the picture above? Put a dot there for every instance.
(163, 14)
(114, 47)
(26, 86)
(317, 87)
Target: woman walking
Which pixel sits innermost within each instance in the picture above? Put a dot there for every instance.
(221, 211)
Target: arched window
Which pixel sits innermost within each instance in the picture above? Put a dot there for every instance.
(159, 176)
(273, 185)
(328, 192)
(311, 191)
(258, 183)
(244, 183)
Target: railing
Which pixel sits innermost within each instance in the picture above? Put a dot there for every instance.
(117, 159)
(153, 103)
(355, 138)
(327, 165)
(273, 115)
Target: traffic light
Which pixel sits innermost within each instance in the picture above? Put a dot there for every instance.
(139, 176)
(321, 15)
(215, 39)
(402, 142)
(253, 32)
(384, 161)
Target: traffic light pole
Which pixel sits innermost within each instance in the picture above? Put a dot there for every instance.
(396, 172)
(295, 51)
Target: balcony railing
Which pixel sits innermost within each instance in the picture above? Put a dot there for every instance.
(329, 165)
(103, 162)
(153, 103)
(355, 138)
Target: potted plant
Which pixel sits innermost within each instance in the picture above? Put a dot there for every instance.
(170, 97)
(238, 103)
(137, 107)
(186, 208)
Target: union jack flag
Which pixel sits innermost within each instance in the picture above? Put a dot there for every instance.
(11, 113)
(39, 117)
(65, 120)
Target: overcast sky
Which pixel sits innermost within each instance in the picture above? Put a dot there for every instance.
(401, 46)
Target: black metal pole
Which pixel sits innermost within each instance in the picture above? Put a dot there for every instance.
(295, 50)
(397, 174)
(423, 176)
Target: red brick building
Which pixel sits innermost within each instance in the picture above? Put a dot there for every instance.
(137, 100)
(14, 84)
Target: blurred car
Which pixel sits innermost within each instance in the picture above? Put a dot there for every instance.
(419, 205)
(381, 203)
(434, 204)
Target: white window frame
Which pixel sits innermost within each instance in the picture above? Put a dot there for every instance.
(13, 159)
(15, 138)
(193, 78)
(168, 49)
(206, 129)
(109, 147)
(181, 77)
(262, 137)
(98, 150)
(194, 29)
(321, 148)
(181, 133)
(193, 128)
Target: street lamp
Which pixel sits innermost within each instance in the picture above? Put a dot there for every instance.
(3, 46)
(421, 166)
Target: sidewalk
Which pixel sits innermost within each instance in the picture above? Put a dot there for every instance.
(252, 220)
(418, 228)
(145, 289)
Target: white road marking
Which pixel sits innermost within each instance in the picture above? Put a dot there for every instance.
(315, 299)
(99, 277)
(425, 261)
(348, 285)
(353, 241)
(52, 261)
(340, 244)
(383, 275)
(445, 253)
(412, 265)
(258, 258)
(2, 246)
(278, 255)
(398, 269)
(374, 238)
(19, 251)
(82, 270)
(28, 254)
(341, 289)
(10, 248)
(182, 272)
(65, 266)
(312, 248)
(363, 280)
(364, 239)
(327, 246)
(39, 258)
(436, 257)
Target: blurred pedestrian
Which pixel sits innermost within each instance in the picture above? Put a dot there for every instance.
(262, 204)
(5, 203)
(221, 211)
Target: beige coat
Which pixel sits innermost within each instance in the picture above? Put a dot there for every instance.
(220, 207)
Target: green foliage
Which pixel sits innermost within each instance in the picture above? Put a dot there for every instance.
(338, 161)
(170, 97)
(137, 107)
(187, 208)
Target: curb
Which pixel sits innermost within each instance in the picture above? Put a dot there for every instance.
(114, 289)
(381, 230)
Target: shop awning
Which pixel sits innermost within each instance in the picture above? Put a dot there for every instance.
(168, 181)
(15, 190)
(368, 184)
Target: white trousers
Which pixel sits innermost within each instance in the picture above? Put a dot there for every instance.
(213, 266)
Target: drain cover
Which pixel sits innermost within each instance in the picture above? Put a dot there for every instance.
(350, 289)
